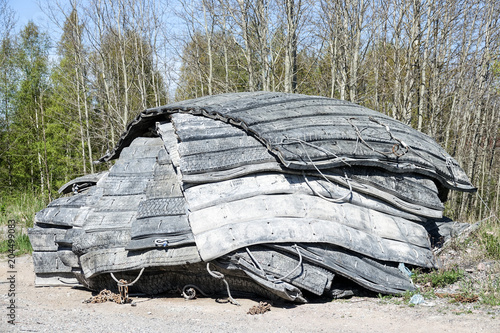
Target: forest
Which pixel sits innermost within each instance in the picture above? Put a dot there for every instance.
(66, 97)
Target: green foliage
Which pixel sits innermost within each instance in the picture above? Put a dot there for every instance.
(489, 238)
(486, 240)
(438, 278)
(22, 163)
(386, 299)
(490, 294)
(21, 207)
(22, 245)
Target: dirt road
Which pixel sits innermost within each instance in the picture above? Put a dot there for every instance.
(60, 309)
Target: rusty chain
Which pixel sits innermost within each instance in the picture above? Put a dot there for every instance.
(262, 308)
(104, 296)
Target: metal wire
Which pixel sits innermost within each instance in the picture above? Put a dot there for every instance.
(219, 275)
(120, 283)
(274, 280)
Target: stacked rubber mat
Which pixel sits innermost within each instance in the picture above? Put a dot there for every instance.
(277, 194)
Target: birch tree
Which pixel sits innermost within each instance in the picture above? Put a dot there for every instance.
(292, 10)
(8, 79)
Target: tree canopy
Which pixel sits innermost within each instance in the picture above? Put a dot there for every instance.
(64, 100)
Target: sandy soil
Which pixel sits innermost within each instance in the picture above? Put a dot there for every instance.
(61, 309)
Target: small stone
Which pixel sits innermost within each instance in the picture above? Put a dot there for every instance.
(482, 266)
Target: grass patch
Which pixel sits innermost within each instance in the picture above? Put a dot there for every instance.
(19, 207)
(439, 278)
(22, 245)
(490, 292)
(490, 240)
(472, 263)
(395, 299)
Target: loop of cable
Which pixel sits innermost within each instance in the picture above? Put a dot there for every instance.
(219, 275)
(270, 278)
(122, 283)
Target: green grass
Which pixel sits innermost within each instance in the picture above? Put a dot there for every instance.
(22, 245)
(490, 293)
(439, 278)
(19, 207)
(489, 238)
(481, 246)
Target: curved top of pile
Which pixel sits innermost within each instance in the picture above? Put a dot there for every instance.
(313, 133)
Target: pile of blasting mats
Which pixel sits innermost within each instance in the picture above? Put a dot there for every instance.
(282, 195)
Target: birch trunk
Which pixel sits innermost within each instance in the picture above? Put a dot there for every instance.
(208, 33)
(292, 10)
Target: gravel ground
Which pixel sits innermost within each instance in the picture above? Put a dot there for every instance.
(61, 309)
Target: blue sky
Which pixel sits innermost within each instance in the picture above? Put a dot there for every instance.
(28, 10)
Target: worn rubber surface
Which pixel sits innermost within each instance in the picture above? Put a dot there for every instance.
(280, 193)
(296, 123)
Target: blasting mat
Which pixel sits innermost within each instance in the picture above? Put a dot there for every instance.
(276, 194)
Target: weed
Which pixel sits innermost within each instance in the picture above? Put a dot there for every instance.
(22, 245)
(491, 243)
(392, 299)
(460, 244)
(21, 208)
(384, 297)
(490, 293)
(408, 294)
(438, 278)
